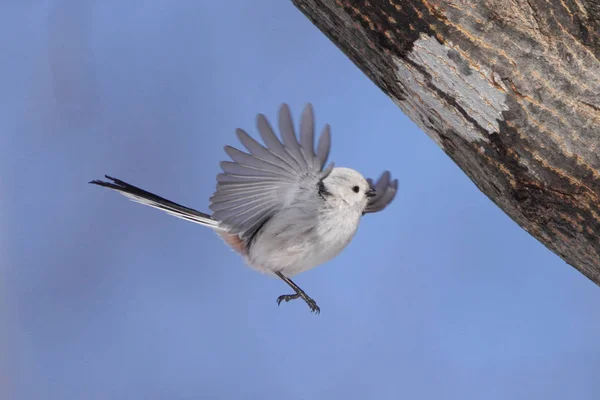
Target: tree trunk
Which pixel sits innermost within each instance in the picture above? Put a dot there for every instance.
(509, 89)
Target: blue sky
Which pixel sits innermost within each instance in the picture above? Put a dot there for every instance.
(440, 296)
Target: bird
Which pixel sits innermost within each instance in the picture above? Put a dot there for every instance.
(277, 204)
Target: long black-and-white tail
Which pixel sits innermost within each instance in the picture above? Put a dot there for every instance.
(150, 199)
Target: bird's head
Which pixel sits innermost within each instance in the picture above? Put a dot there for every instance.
(349, 188)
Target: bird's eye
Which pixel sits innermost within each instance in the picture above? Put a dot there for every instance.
(355, 189)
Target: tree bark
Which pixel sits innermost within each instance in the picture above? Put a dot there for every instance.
(509, 89)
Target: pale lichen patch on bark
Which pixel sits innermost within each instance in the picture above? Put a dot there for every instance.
(473, 89)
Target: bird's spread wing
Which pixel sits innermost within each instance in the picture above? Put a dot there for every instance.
(385, 190)
(255, 185)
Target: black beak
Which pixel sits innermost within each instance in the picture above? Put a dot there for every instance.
(371, 193)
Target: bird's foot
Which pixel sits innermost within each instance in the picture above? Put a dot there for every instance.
(309, 301)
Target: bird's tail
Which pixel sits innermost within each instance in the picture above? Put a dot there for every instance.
(143, 197)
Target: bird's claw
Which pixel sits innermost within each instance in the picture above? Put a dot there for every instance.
(313, 305)
(309, 301)
(287, 297)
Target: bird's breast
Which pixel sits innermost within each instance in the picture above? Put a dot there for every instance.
(295, 247)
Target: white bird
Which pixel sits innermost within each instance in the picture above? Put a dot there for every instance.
(277, 205)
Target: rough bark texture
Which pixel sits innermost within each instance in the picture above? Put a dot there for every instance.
(510, 89)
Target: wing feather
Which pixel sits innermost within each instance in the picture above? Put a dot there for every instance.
(324, 146)
(256, 162)
(290, 143)
(273, 144)
(245, 170)
(259, 151)
(307, 137)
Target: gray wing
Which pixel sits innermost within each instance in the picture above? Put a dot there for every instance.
(255, 185)
(385, 190)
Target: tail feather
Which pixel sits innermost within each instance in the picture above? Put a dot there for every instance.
(150, 199)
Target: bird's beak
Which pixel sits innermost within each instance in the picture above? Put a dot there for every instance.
(371, 193)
